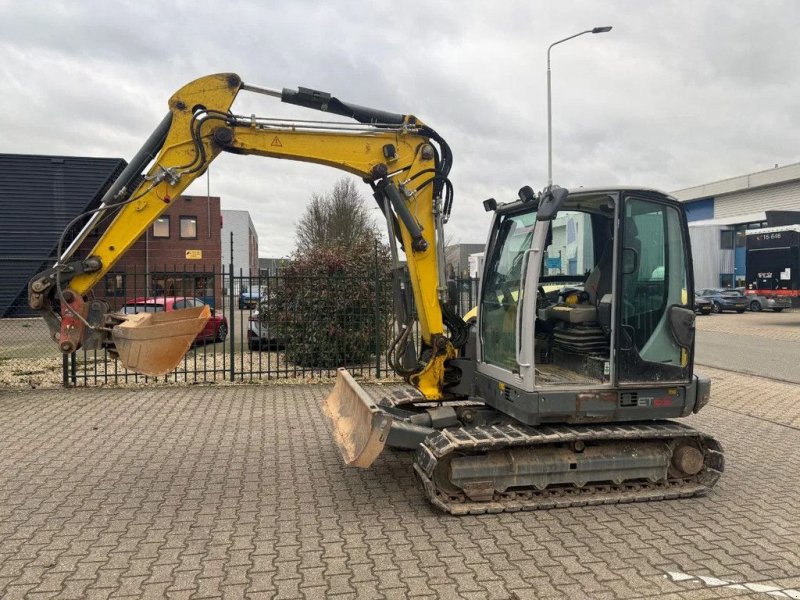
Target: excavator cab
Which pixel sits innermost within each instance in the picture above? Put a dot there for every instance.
(590, 298)
(583, 316)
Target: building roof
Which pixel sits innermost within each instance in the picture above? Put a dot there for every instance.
(735, 220)
(774, 229)
(742, 182)
(39, 196)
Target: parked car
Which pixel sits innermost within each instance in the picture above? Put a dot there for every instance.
(758, 302)
(723, 299)
(216, 330)
(258, 335)
(249, 300)
(702, 305)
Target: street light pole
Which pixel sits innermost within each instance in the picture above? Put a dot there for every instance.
(550, 103)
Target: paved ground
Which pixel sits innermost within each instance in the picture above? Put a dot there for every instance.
(776, 326)
(238, 492)
(749, 354)
(763, 343)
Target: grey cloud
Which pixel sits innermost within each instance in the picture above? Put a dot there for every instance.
(677, 94)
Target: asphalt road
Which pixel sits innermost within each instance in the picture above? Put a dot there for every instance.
(743, 353)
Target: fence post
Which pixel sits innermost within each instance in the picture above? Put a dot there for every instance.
(377, 315)
(232, 324)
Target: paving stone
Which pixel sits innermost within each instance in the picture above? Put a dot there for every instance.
(239, 492)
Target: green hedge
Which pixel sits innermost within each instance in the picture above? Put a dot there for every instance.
(331, 307)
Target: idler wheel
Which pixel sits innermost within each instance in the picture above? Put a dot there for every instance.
(688, 460)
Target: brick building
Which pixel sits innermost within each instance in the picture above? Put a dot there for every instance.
(180, 254)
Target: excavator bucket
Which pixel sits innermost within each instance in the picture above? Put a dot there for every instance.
(154, 343)
(360, 428)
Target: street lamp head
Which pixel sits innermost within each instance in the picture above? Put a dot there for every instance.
(603, 29)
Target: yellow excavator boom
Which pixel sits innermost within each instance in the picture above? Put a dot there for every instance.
(394, 153)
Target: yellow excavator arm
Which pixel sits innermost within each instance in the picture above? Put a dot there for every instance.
(393, 153)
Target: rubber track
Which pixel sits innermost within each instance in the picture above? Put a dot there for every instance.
(476, 440)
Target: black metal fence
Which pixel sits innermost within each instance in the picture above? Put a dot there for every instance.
(245, 339)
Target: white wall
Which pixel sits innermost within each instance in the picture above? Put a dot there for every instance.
(238, 222)
(476, 264)
(708, 258)
(784, 196)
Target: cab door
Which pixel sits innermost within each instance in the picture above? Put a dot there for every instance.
(513, 257)
(656, 318)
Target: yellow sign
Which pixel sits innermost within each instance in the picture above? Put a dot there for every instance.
(194, 254)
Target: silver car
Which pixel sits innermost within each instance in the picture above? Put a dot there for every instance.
(758, 302)
(259, 336)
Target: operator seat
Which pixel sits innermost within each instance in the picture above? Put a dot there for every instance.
(600, 279)
(597, 285)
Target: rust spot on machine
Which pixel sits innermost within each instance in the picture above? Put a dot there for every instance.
(155, 343)
(360, 428)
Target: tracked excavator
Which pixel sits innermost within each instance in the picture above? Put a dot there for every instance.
(562, 388)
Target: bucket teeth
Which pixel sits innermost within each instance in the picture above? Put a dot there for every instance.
(154, 343)
(360, 428)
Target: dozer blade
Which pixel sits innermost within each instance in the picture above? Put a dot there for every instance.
(360, 428)
(154, 343)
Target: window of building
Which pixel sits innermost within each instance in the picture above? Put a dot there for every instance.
(757, 225)
(161, 227)
(188, 228)
(726, 280)
(115, 284)
(185, 284)
(726, 239)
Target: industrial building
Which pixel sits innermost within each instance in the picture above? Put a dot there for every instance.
(39, 197)
(180, 253)
(721, 214)
(268, 267)
(457, 259)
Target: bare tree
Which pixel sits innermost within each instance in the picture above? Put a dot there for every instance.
(338, 219)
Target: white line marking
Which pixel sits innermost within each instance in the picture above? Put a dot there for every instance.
(771, 590)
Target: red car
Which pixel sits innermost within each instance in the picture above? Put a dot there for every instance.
(215, 330)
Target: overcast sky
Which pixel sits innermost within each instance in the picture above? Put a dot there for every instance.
(677, 94)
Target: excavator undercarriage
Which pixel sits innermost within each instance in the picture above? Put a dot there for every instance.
(475, 470)
(471, 459)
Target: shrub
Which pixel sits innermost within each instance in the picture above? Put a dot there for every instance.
(323, 308)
